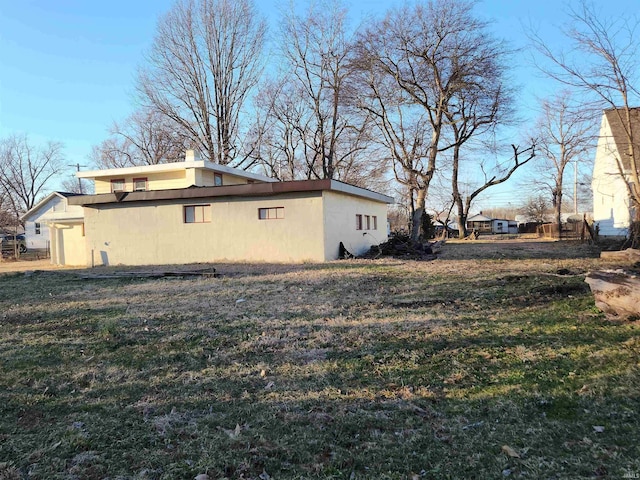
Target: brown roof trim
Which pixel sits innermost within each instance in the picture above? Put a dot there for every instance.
(244, 190)
(620, 132)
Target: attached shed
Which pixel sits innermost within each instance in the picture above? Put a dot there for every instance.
(504, 226)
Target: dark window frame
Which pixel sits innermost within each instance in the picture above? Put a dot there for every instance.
(141, 179)
(270, 210)
(200, 207)
(118, 180)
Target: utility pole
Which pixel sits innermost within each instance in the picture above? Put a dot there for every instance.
(575, 187)
(78, 166)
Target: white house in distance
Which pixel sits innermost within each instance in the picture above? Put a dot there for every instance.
(612, 211)
(493, 226)
(54, 214)
(198, 211)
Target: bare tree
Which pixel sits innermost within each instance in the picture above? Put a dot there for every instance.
(77, 185)
(146, 137)
(497, 174)
(419, 61)
(310, 122)
(603, 65)
(8, 216)
(25, 171)
(536, 208)
(204, 62)
(479, 107)
(280, 129)
(566, 134)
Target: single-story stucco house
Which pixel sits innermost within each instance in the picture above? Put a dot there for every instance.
(197, 211)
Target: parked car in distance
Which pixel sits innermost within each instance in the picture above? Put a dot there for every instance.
(10, 241)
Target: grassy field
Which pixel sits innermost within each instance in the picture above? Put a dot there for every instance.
(490, 362)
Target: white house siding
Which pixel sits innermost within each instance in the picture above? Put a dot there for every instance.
(143, 233)
(610, 194)
(340, 223)
(36, 241)
(53, 209)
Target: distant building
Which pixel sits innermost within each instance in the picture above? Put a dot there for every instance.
(491, 226)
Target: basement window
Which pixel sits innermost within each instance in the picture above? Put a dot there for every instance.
(139, 184)
(117, 185)
(272, 213)
(197, 213)
(358, 221)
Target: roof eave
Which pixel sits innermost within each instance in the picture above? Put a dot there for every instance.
(245, 190)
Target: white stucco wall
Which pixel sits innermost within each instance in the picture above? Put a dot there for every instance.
(68, 244)
(146, 233)
(610, 194)
(340, 224)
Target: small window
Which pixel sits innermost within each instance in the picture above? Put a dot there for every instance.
(37, 228)
(358, 221)
(139, 184)
(217, 179)
(117, 185)
(367, 222)
(375, 222)
(197, 213)
(273, 213)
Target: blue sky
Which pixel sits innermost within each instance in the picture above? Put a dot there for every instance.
(67, 67)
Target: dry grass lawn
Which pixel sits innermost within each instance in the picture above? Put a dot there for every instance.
(490, 362)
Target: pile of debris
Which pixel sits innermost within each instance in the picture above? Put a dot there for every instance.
(400, 246)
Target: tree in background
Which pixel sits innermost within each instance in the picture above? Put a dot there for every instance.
(499, 173)
(146, 137)
(205, 60)
(566, 135)
(25, 171)
(536, 209)
(418, 64)
(480, 105)
(310, 123)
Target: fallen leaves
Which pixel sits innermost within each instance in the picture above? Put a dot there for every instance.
(235, 433)
(506, 449)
